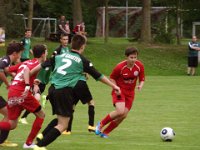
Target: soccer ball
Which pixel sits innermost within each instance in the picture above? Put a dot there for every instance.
(167, 134)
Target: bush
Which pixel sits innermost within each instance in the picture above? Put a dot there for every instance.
(167, 38)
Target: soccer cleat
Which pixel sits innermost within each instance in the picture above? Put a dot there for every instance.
(66, 133)
(25, 146)
(39, 137)
(103, 135)
(44, 100)
(98, 128)
(23, 121)
(91, 128)
(8, 144)
(39, 148)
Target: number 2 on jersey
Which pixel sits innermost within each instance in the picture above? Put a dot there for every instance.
(62, 68)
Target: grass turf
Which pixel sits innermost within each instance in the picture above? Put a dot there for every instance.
(164, 101)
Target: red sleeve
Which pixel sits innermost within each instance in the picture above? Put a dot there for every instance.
(115, 73)
(141, 75)
(14, 68)
(76, 28)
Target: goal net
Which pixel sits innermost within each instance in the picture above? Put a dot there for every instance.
(124, 21)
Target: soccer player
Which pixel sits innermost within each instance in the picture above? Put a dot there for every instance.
(63, 44)
(39, 86)
(69, 69)
(13, 54)
(82, 93)
(124, 75)
(26, 41)
(20, 97)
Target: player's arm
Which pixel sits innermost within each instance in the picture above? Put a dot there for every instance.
(31, 51)
(106, 81)
(194, 47)
(3, 78)
(141, 78)
(47, 63)
(89, 68)
(26, 76)
(61, 28)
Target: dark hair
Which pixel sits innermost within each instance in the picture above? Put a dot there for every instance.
(27, 29)
(38, 50)
(14, 47)
(131, 50)
(62, 35)
(78, 41)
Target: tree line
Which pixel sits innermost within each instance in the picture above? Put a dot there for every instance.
(183, 13)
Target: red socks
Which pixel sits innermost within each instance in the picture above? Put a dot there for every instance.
(34, 131)
(5, 126)
(106, 120)
(110, 127)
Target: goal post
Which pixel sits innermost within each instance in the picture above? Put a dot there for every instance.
(194, 24)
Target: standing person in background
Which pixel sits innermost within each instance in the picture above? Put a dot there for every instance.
(26, 41)
(13, 54)
(124, 75)
(68, 31)
(79, 29)
(61, 25)
(193, 47)
(64, 27)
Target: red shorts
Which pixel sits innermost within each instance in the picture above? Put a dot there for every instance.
(16, 104)
(126, 96)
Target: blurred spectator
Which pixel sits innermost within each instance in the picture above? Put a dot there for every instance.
(80, 29)
(26, 41)
(63, 27)
(193, 47)
(2, 36)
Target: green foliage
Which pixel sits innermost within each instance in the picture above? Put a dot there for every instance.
(166, 38)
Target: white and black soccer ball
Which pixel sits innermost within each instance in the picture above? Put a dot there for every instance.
(167, 134)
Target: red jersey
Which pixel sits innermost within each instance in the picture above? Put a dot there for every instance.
(18, 81)
(125, 77)
(78, 28)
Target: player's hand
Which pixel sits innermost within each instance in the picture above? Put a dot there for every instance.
(117, 90)
(139, 88)
(36, 88)
(26, 90)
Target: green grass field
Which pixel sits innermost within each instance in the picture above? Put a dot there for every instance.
(164, 101)
(159, 59)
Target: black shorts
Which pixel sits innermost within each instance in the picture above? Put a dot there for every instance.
(42, 87)
(192, 61)
(82, 92)
(2, 102)
(61, 101)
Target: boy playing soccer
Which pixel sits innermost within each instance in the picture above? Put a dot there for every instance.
(13, 54)
(20, 97)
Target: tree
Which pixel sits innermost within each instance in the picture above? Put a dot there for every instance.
(77, 12)
(30, 13)
(178, 22)
(106, 22)
(146, 21)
